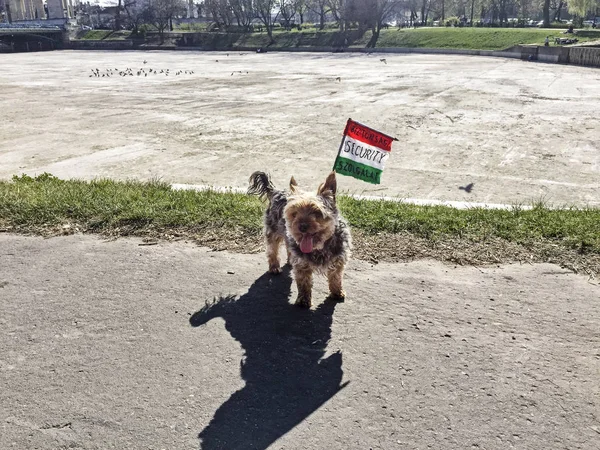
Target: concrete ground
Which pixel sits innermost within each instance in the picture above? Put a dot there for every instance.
(519, 131)
(116, 345)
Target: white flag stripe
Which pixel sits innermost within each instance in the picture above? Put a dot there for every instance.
(364, 153)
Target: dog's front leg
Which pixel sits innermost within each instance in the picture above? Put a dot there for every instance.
(334, 277)
(303, 276)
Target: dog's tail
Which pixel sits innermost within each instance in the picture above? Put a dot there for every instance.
(261, 185)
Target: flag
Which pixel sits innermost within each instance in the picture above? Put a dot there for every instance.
(363, 152)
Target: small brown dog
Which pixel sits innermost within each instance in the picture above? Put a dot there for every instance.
(316, 236)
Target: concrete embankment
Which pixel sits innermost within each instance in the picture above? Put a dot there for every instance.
(585, 56)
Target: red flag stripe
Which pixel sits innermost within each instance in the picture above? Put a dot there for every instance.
(368, 135)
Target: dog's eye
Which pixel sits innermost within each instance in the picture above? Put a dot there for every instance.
(294, 214)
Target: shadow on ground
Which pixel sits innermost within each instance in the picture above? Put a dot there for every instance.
(286, 376)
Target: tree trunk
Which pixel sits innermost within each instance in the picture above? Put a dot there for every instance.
(472, 9)
(118, 16)
(374, 37)
(558, 11)
(546, 12)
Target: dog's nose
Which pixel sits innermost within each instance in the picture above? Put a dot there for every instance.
(303, 227)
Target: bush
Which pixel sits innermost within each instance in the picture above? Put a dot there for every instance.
(452, 22)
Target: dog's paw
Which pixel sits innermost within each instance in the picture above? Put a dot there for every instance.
(303, 302)
(275, 270)
(339, 297)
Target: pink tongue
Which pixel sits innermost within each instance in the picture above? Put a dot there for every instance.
(306, 245)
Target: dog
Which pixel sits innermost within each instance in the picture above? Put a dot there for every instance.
(316, 236)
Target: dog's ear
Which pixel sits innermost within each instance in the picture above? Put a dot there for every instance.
(293, 186)
(329, 188)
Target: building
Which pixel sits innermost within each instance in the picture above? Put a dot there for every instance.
(22, 10)
(60, 9)
(19, 10)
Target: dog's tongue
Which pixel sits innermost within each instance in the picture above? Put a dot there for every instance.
(306, 245)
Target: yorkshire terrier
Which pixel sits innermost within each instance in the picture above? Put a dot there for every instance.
(316, 236)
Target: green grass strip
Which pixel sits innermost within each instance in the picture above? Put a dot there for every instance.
(105, 205)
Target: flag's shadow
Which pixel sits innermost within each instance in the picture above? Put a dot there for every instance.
(286, 376)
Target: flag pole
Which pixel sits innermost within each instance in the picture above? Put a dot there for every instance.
(342, 143)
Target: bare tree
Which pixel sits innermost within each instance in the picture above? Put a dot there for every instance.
(287, 9)
(425, 6)
(264, 12)
(319, 7)
(135, 15)
(301, 8)
(160, 13)
(557, 6)
(220, 11)
(347, 11)
(376, 13)
(244, 12)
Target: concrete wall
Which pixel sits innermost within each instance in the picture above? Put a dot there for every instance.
(585, 56)
(554, 54)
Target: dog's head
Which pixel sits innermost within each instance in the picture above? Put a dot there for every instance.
(311, 219)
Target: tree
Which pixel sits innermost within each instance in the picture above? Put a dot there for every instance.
(243, 11)
(135, 15)
(264, 12)
(582, 7)
(287, 9)
(376, 13)
(546, 13)
(319, 7)
(221, 12)
(160, 13)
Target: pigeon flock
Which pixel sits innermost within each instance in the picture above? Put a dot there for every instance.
(128, 72)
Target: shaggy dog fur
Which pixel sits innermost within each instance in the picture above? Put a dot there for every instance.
(316, 236)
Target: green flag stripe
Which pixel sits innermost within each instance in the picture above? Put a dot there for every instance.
(354, 169)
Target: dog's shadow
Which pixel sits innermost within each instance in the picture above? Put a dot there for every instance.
(286, 376)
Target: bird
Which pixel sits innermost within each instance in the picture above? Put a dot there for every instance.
(338, 79)
(145, 62)
(383, 60)
(468, 188)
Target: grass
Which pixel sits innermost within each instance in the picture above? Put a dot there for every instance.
(442, 37)
(469, 38)
(572, 228)
(102, 206)
(463, 38)
(105, 35)
(439, 37)
(48, 205)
